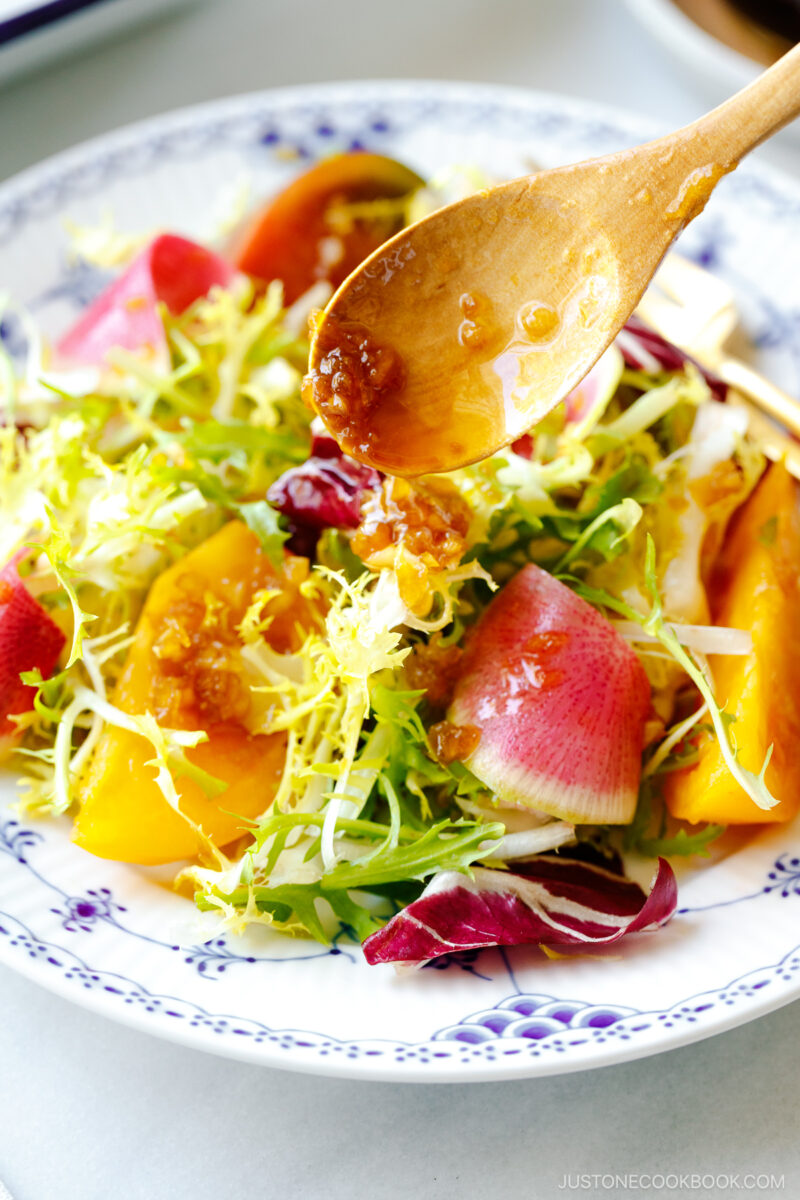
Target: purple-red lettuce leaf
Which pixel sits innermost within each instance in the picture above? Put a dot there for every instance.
(645, 350)
(327, 491)
(547, 901)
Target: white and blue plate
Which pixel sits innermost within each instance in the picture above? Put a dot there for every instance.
(116, 938)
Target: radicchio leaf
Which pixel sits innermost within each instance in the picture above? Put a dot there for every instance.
(323, 443)
(523, 446)
(327, 491)
(645, 350)
(546, 901)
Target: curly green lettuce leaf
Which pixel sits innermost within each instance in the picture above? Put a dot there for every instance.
(415, 855)
(649, 832)
(266, 523)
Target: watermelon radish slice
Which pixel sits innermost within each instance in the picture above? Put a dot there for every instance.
(28, 639)
(171, 270)
(560, 701)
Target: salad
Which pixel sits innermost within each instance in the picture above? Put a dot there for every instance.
(444, 712)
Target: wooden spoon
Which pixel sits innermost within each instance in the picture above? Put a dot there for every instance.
(465, 329)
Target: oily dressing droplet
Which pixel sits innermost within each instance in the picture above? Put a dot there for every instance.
(450, 742)
(539, 322)
(695, 191)
(477, 327)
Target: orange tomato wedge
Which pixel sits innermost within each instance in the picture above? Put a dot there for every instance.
(297, 237)
(756, 586)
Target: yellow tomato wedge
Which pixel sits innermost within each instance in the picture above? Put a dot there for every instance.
(184, 668)
(756, 586)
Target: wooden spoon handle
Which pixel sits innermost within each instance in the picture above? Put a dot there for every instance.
(730, 131)
(682, 169)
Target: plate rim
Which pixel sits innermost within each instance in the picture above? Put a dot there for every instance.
(340, 1068)
(752, 169)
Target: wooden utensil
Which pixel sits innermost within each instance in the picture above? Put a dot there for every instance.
(465, 329)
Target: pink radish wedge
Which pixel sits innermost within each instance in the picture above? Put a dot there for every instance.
(560, 701)
(171, 270)
(28, 639)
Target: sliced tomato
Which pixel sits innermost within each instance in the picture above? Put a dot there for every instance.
(305, 234)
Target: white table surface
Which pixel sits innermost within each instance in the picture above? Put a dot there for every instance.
(90, 1110)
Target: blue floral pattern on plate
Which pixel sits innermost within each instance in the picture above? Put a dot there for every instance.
(533, 1025)
(529, 1026)
(84, 913)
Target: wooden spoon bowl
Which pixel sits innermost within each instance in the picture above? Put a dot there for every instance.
(467, 328)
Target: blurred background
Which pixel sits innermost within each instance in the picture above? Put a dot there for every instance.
(60, 84)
